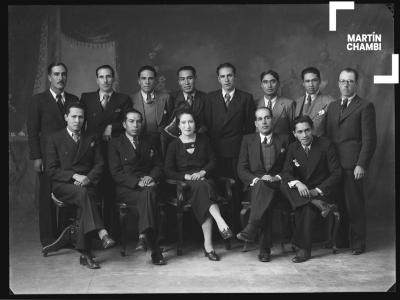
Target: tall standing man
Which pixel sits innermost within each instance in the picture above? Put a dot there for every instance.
(155, 107)
(314, 103)
(282, 108)
(104, 113)
(229, 114)
(46, 116)
(188, 98)
(350, 124)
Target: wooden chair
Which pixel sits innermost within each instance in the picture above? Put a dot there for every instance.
(181, 204)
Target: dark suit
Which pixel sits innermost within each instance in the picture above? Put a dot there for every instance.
(164, 108)
(45, 118)
(250, 166)
(226, 127)
(354, 135)
(66, 158)
(282, 115)
(321, 169)
(197, 108)
(127, 166)
(97, 119)
(317, 112)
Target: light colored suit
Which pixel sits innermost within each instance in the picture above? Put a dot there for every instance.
(317, 112)
(282, 114)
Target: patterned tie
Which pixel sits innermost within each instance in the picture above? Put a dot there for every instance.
(149, 99)
(344, 105)
(227, 99)
(60, 104)
(307, 105)
(306, 150)
(76, 137)
(190, 100)
(135, 141)
(269, 104)
(105, 100)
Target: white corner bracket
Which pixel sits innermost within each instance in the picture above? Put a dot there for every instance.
(394, 78)
(333, 7)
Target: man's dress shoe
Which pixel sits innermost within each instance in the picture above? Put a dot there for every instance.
(158, 259)
(357, 251)
(243, 236)
(264, 256)
(142, 244)
(327, 209)
(87, 260)
(211, 255)
(301, 256)
(63, 239)
(107, 242)
(226, 233)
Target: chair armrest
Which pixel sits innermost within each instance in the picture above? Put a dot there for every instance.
(180, 186)
(228, 186)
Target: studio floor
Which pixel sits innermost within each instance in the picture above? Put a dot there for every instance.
(237, 272)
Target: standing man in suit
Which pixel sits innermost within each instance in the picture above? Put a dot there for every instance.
(310, 173)
(314, 103)
(261, 158)
(46, 116)
(75, 164)
(104, 113)
(188, 98)
(350, 124)
(155, 107)
(136, 166)
(229, 114)
(282, 108)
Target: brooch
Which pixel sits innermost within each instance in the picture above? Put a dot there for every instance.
(296, 163)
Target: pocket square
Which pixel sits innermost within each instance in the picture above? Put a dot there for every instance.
(321, 112)
(92, 143)
(283, 150)
(117, 110)
(165, 112)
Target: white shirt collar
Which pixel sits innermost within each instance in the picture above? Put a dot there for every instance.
(273, 100)
(130, 138)
(70, 132)
(185, 95)
(269, 137)
(55, 95)
(101, 93)
(313, 96)
(144, 95)
(231, 93)
(348, 99)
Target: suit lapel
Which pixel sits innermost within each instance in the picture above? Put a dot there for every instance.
(159, 102)
(301, 156)
(255, 151)
(233, 105)
(84, 142)
(138, 102)
(314, 156)
(299, 105)
(354, 104)
(54, 107)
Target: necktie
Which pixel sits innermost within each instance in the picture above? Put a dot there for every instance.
(344, 105)
(60, 104)
(189, 100)
(269, 104)
(149, 99)
(76, 137)
(105, 100)
(307, 104)
(227, 99)
(306, 150)
(135, 141)
(266, 141)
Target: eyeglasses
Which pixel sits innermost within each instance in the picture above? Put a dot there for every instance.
(349, 82)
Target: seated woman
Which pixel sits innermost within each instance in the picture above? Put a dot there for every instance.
(190, 158)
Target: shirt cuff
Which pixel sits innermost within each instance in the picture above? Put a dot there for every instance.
(279, 177)
(293, 183)
(319, 191)
(254, 181)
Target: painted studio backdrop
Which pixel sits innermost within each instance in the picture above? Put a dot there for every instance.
(285, 38)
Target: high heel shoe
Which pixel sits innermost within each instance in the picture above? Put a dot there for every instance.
(211, 255)
(87, 260)
(226, 233)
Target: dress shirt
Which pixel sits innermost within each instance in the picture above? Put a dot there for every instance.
(231, 93)
(273, 101)
(348, 99)
(130, 138)
(55, 96)
(144, 95)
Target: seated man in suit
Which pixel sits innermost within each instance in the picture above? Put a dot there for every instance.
(155, 107)
(282, 108)
(75, 165)
(261, 158)
(314, 103)
(136, 166)
(104, 113)
(310, 174)
(188, 98)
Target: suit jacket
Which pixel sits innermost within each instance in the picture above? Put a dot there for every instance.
(164, 107)
(44, 118)
(321, 169)
(250, 164)
(65, 158)
(353, 132)
(178, 99)
(282, 114)
(127, 165)
(318, 110)
(226, 127)
(97, 119)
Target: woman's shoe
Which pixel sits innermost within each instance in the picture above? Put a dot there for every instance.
(87, 260)
(226, 233)
(211, 255)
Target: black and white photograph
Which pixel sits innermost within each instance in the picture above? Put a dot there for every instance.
(202, 148)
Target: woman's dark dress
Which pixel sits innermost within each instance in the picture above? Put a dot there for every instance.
(179, 162)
